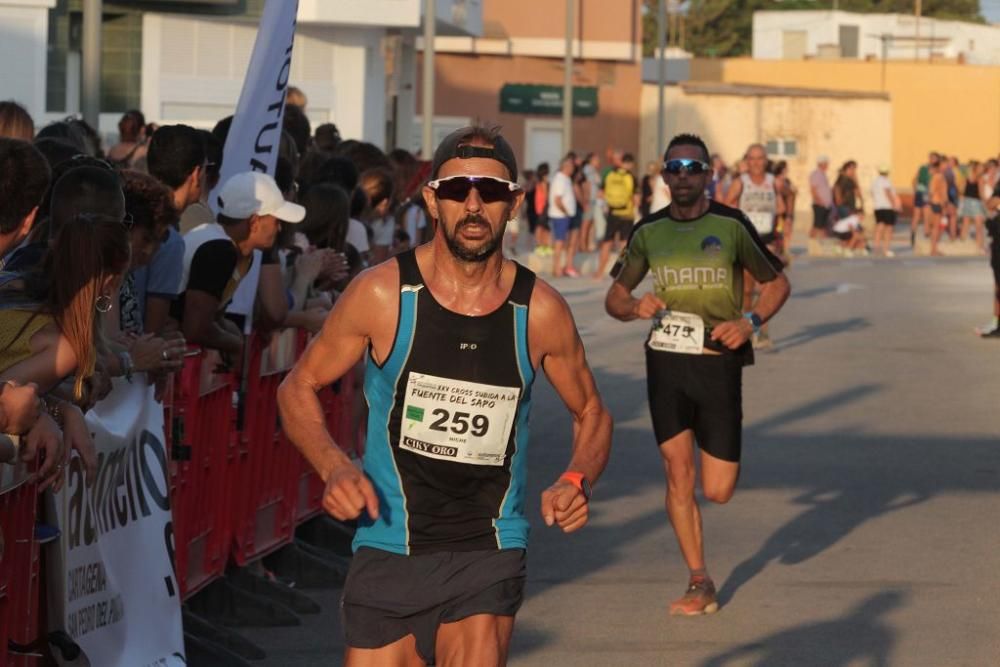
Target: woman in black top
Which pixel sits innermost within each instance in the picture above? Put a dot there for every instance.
(972, 209)
(846, 193)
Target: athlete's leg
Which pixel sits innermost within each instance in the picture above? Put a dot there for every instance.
(980, 233)
(602, 260)
(571, 247)
(401, 653)
(682, 508)
(718, 478)
(557, 253)
(935, 226)
(586, 240)
(482, 639)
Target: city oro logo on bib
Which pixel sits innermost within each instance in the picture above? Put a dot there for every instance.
(678, 332)
(454, 420)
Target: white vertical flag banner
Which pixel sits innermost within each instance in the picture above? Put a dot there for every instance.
(254, 137)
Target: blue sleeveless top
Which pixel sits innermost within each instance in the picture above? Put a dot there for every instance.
(448, 424)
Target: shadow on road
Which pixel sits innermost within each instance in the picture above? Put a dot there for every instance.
(862, 636)
(843, 479)
(811, 332)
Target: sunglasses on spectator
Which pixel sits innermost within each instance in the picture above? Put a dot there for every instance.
(693, 167)
(490, 189)
(128, 221)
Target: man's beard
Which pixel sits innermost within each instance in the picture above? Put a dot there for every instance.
(692, 197)
(465, 254)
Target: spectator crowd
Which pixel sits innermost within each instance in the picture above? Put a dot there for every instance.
(118, 261)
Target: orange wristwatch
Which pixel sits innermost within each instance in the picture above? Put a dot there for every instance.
(579, 481)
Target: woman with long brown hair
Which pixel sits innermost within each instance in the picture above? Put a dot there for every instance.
(50, 328)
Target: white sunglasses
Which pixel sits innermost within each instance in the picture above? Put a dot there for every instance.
(490, 188)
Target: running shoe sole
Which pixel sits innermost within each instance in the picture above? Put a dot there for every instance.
(708, 610)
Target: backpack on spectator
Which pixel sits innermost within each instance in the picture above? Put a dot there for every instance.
(618, 189)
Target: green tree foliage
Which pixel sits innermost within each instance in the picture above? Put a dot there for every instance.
(723, 27)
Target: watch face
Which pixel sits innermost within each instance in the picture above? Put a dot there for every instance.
(585, 487)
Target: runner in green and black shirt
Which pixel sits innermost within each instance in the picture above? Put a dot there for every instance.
(697, 251)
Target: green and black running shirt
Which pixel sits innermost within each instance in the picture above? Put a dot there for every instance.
(697, 264)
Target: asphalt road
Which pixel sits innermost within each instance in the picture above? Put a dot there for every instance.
(864, 530)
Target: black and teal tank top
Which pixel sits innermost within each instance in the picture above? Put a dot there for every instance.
(448, 424)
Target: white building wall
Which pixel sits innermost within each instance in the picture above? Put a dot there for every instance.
(193, 70)
(24, 26)
(454, 17)
(978, 44)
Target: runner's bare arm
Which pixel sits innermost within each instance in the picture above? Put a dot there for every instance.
(734, 192)
(621, 305)
(554, 339)
(773, 295)
(356, 317)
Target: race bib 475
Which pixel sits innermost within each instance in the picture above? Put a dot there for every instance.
(678, 332)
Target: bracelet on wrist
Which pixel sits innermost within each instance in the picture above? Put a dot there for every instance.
(54, 410)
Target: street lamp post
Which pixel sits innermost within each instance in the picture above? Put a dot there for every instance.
(430, 17)
(661, 71)
(90, 92)
(567, 115)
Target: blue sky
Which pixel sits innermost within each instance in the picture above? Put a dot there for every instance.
(990, 9)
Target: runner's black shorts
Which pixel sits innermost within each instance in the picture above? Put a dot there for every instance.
(388, 596)
(616, 226)
(885, 216)
(701, 392)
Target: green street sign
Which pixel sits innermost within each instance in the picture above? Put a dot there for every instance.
(546, 100)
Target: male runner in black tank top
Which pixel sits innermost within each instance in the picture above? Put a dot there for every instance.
(453, 334)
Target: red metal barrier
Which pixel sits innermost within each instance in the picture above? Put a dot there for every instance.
(239, 489)
(264, 511)
(204, 452)
(19, 563)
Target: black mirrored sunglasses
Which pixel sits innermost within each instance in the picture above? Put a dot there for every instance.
(490, 189)
(687, 165)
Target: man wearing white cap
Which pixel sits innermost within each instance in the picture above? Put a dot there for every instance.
(218, 254)
(886, 204)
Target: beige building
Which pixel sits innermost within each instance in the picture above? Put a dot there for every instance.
(513, 76)
(949, 107)
(796, 125)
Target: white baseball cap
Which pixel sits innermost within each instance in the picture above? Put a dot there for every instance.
(822, 159)
(254, 193)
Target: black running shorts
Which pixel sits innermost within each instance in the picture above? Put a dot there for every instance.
(617, 227)
(885, 216)
(703, 393)
(388, 596)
